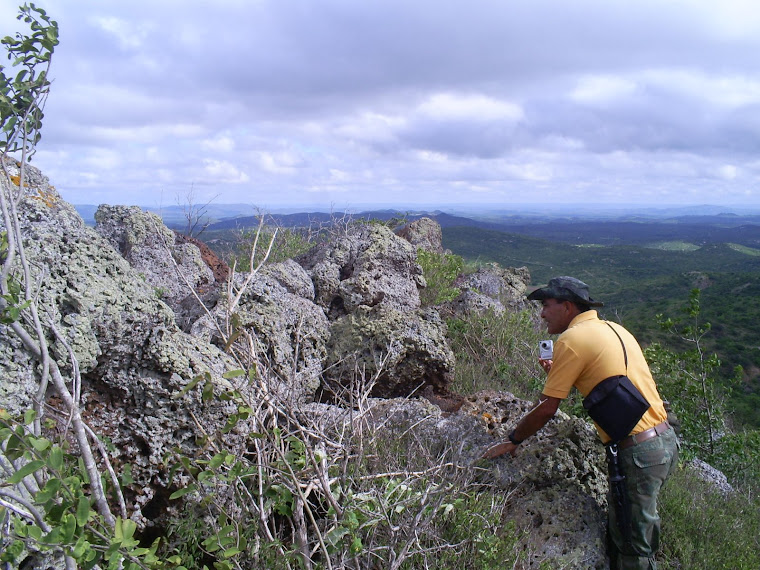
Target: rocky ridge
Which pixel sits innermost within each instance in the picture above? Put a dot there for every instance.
(127, 296)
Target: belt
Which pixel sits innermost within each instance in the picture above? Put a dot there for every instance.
(641, 437)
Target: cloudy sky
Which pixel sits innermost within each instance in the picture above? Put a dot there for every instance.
(346, 102)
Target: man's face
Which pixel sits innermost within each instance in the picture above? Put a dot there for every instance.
(557, 315)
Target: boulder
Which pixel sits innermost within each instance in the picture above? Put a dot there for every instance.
(172, 265)
(400, 353)
(287, 331)
(557, 482)
(423, 234)
(133, 359)
(490, 288)
(367, 281)
(366, 266)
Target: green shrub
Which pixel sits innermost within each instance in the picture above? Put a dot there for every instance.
(287, 244)
(440, 271)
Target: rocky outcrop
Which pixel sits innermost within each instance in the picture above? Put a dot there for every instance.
(490, 288)
(367, 280)
(397, 353)
(367, 266)
(287, 332)
(173, 267)
(557, 482)
(423, 234)
(349, 311)
(133, 359)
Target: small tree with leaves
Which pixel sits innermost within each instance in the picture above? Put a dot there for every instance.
(688, 379)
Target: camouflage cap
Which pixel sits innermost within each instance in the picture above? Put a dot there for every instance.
(567, 289)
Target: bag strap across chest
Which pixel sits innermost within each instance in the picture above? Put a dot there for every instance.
(625, 354)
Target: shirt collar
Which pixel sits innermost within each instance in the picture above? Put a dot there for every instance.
(589, 315)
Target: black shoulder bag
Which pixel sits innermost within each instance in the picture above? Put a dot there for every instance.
(615, 404)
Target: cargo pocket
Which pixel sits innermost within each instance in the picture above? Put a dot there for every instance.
(652, 468)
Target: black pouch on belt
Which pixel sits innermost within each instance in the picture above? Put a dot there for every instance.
(615, 404)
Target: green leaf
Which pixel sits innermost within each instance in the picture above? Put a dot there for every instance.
(27, 469)
(208, 391)
(49, 491)
(39, 443)
(233, 374)
(29, 416)
(80, 547)
(126, 475)
(68, 528)
(83, 511)
(217, 460)
(182, 492)
(55, 458)
(189, 386)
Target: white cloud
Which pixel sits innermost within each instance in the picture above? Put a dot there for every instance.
(130, 35)
(221, 144)
(221, 171)
(728, 172)
(475, 107)
(388, 100)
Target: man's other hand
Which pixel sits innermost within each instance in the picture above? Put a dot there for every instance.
(546, 364)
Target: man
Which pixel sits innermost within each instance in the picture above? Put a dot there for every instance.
(587, 352)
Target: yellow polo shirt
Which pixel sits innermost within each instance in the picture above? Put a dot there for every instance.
(588, 352)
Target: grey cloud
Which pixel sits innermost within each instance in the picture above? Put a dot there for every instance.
(296, 77)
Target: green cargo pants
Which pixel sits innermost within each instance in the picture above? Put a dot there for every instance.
(646, 467)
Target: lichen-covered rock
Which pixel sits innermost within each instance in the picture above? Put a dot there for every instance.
(137, 365)
(172, 265)
(498, 282)
(367, 282)
(291, 276)
(367, 266)
(288, 331)
(133, 359)
(423, 234)
(18, 383)
(490, 288)
(403, 353)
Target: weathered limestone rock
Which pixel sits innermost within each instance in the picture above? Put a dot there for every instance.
(557, 482)
(423, 233)
(135, 362)
(491, 287)
(133, 359)
(173, 266)
(404, 352)
(367, 282)
(368, 266)
(289, 332)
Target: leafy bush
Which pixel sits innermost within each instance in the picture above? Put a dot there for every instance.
(440, 270)
(688, 380)
(46, 504)
(285, 244)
